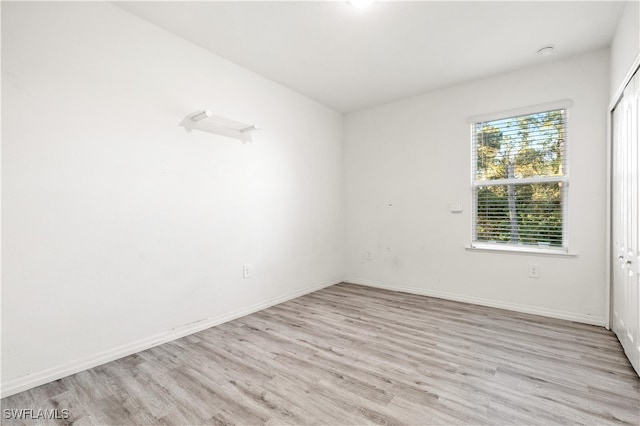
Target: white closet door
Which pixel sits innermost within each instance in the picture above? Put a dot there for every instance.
(626, 222)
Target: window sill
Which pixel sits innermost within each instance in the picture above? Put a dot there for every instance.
(519, 250)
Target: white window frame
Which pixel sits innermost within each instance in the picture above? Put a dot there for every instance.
(521, 248)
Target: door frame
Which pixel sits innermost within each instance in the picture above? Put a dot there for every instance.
(635, 66)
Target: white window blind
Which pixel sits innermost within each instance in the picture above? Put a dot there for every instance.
(520, 180)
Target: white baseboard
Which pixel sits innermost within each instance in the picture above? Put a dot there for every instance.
(51, 374)
(527, 309)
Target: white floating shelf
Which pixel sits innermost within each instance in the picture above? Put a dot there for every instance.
(205, 121)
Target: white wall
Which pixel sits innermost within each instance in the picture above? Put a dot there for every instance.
(625, 47)
(408, 160)
(118, 225)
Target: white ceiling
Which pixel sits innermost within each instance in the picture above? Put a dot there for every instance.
(348, 58)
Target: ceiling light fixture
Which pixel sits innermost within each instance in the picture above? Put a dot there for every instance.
(360, 4)
(546, 50)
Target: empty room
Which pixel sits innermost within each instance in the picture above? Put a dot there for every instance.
(320, 213)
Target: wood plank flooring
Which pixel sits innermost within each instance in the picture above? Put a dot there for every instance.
(352, 355)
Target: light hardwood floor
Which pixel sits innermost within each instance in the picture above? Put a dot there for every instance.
(355, 355)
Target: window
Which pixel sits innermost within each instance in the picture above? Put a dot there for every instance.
(520, 181)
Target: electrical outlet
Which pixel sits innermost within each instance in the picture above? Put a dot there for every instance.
(534, 270)
(369, 255)
(246, 271)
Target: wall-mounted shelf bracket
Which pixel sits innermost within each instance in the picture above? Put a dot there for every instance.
(205, 121)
